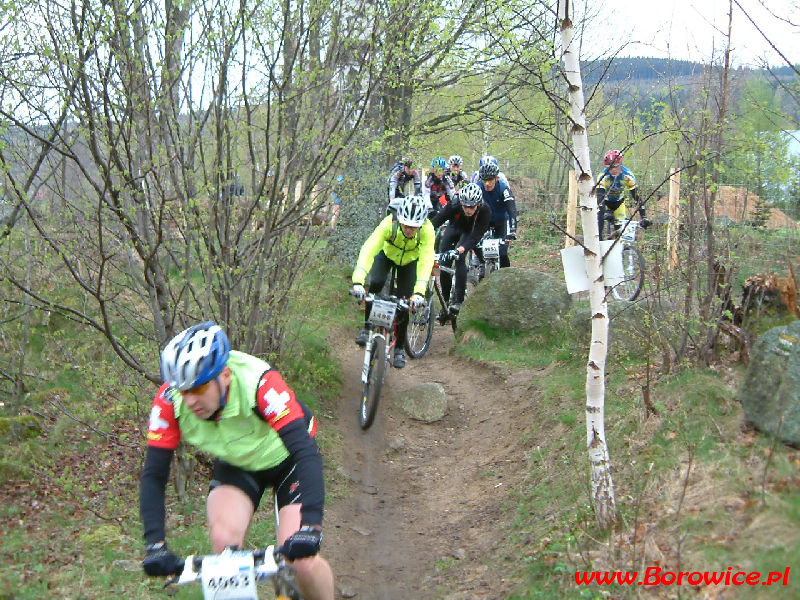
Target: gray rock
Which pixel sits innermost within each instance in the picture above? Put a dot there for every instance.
(770, 391)
(424, 402)
(516, 299)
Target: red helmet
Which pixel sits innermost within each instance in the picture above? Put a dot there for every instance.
(613, 158)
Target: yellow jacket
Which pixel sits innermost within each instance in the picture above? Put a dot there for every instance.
(400, 250)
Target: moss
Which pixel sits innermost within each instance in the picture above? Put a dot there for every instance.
(21, 427)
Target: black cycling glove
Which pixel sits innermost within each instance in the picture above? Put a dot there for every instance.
(304, 542)
(161, 561)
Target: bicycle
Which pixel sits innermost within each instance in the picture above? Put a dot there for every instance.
(378, 351)
(490, 249)
(420, 324)
(632, 260)
(233, 574)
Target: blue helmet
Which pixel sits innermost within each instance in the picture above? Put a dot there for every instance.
(195, 356)
(438, 163)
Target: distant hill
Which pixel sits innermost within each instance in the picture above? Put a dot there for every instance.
(639, 67)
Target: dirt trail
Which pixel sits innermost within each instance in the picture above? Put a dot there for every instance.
(409, 495)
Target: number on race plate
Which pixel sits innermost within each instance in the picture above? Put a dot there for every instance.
(382, 313)
(229, 577)
(491, 248)
(630, 232)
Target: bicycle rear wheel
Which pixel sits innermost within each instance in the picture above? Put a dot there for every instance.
(420, 328)
(633, 268)
(372, 389)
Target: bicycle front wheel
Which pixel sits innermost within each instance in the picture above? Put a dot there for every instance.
(633, 268)
(420, 328)
(372, 389)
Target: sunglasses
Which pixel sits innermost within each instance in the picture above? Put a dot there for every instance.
(198, 389)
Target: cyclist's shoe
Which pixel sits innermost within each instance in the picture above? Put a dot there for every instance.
(455, 307)
(399, 360)
(362, 338)
(442, 316)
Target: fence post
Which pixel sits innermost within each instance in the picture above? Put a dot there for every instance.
(572, 209)
(673, 222)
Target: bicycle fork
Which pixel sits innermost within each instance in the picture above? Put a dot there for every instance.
(368, 356)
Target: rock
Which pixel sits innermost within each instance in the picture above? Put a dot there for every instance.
(424, 402)
(516, 299)
(770, 391)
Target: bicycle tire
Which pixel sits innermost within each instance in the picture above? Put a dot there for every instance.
(420, 328)
(372, 389)
(491, 267)
(633, 268)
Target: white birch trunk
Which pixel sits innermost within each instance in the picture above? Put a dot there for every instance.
(602, 485)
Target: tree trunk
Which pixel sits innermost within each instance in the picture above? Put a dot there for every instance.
(602, 484)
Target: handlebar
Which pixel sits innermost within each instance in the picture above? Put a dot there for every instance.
(401, 302)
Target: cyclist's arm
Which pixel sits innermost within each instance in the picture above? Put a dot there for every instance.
(371, 248)
(296, 425)
(511, 207)
(393, 185)
(482, 222)
(425, 260)
(449, 188)
(163, 435)
(155, 475)
(426, 190)
(417, 183)
(442, 215)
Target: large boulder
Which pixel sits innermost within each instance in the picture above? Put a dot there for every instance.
(516, 300)
(770, 392)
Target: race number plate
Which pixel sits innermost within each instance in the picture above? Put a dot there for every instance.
(491, 248)
(229, 577)
(630, 232)
(382, 313)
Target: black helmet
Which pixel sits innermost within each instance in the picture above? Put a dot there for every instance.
(488, 171)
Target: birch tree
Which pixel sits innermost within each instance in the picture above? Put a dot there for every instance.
(602, 485)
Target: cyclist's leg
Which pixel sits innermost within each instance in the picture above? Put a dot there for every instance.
(460, 285)
(378, 273)
(449, 239)
(500, 229)
(406, 278)
(620, 212)
(234, 497)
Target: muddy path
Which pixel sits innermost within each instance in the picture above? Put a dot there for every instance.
(415, 509)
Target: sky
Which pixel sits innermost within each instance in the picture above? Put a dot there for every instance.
(695, 29)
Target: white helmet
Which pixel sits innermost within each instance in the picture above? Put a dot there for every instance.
(470, 195)
(195, 356)
(412, 211)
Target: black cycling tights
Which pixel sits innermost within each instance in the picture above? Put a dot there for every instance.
(405, 278)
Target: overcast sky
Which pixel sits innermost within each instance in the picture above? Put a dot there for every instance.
(694, 29)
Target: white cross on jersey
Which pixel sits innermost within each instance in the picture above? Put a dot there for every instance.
(276, 403)
(156, 422)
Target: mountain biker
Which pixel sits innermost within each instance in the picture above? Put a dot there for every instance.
(438, 185)
(469, 219)
(611, 186)
(489, 159)
(237, 408)
(457, 174)
(402, 172)
(497, 195)
(404, 242)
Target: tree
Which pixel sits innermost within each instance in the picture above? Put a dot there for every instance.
(603, 499)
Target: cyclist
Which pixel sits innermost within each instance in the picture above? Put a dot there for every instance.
(611, 186)
(489, 159)
(497, 195)
(457, 174)
(403, 242)
(402, 172)
(469, 219)
(438, 188)
(237, 408)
